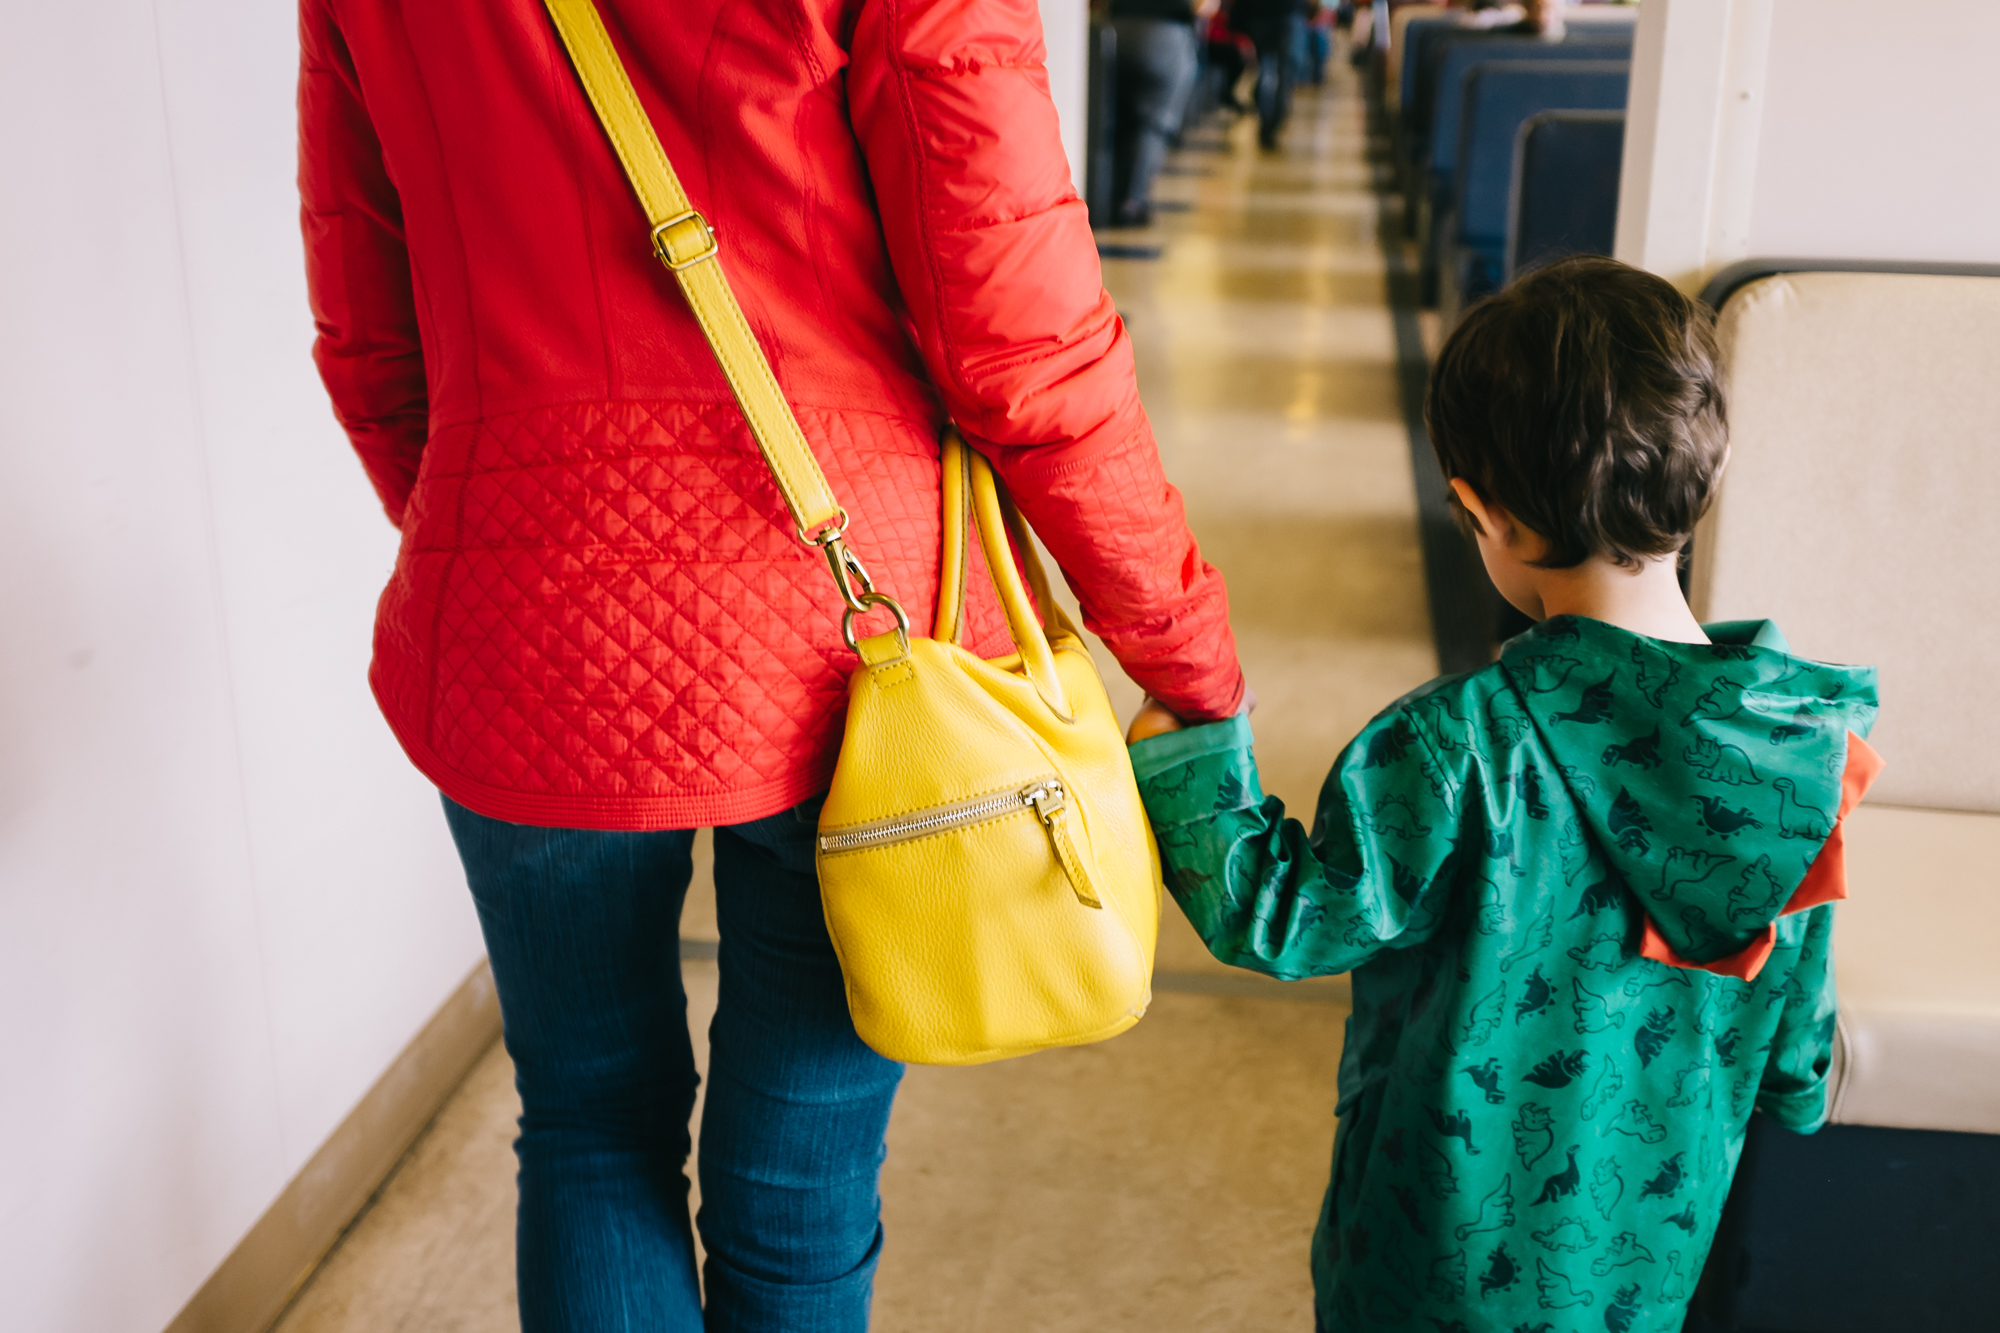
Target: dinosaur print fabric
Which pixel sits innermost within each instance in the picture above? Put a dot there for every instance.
(1538, 1124)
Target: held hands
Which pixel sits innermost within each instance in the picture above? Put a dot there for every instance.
(1153, 719)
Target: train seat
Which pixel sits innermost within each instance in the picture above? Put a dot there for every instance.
(1393, 63)
(1500, 96)
(1858, 512)
(1563, 189)
(1445, 140)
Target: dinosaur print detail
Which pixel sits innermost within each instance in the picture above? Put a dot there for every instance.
(1759, 893)
(1622, 1309)
(1449, 1325)
(1593, 1013)
(1545, 675)
(1667, 1182)
(1606, 952)
(1674, 1286)
(1500, 849)
(1405, 882)
(1395, 816)
(1484, 1021)
(1575, 849)
(1599, 897)
(1501, 1271)
(1684, 1219)
(1571, 1235)
(1505, 724)
(1556, 1071)
(1640, 751)
(1392, 1147)
(1578, 781)
(1486, 1077)
(1557, 1291)
(1399, 1268)
(1723, 820)
(1725, 1047)
(1231, 794)
(1534, 1133)
(1447, 728)
(1796, 819)
(1533, 800)
(1603, 1092)
(1453, 1125)
(1448, 1280)
(1657, 672)
(1389, 745)
(1718, 703)
(1691, 1087)
(1635, 1119)
(1716, 761)
(1413, 1212)
(1607, 1187)
(1436, 1173)
(1535, 939)
(1593, 705)
(1650, 975)
(1496, 1212)
(1628, 823)
(1543, 1327)
(1786, 732)
(1535, 996)
(1652, 1038)
(1686, 866)
(1562, 1184)
(1624, 1249)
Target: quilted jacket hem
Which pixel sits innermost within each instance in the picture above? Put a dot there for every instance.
(611, 814)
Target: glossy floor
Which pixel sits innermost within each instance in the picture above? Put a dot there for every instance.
(1167, 1180)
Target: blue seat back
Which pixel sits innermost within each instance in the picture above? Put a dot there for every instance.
(1564, 187)
(1417, 35)
(1499, 99)
(1460, 59)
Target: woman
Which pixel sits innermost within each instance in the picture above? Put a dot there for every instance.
(601, 632)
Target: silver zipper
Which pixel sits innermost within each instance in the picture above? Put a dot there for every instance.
(1044, 796)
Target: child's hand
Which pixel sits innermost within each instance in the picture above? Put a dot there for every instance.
(1153, 720)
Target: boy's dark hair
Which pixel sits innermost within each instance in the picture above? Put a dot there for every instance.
(1585, 399)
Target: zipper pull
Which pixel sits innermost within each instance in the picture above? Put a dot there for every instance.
(1049, 802)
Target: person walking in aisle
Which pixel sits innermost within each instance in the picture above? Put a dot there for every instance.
(601, 632)
(1157, 62)
(1277, 28)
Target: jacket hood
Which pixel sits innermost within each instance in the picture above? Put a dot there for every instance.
(1708, 776)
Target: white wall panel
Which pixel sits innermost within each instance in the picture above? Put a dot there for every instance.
(225, 899)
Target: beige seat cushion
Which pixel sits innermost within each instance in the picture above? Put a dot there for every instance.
(1861, 511)
(1917, 957)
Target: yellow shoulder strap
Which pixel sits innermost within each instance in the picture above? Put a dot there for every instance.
(685, 243)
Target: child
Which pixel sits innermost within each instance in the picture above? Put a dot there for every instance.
(1582, 891)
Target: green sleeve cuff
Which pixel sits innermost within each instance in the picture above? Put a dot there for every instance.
(1157, 754)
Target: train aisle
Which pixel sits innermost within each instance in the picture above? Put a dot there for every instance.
(1167, 1180)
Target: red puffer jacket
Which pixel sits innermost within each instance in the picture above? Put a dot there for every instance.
(599, 616)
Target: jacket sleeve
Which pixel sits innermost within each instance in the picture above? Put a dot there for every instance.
(367, 348)
(1376, 872)
(1795, 1087)
(993, 252)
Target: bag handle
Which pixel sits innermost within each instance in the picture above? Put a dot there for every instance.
(687, 245)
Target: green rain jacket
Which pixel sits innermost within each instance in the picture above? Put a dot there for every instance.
(1538, 1124)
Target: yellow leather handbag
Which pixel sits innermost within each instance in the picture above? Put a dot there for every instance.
(988, 874)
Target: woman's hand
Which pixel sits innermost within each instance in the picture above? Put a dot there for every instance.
(1152, 720)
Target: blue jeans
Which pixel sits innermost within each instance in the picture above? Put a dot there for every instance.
(583, 930)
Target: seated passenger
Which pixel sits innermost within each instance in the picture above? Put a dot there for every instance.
(1583, 891)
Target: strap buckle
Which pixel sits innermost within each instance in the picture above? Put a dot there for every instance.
(664, 248)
